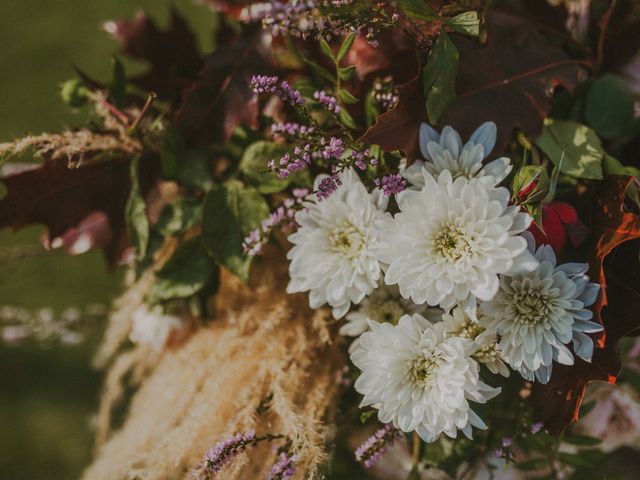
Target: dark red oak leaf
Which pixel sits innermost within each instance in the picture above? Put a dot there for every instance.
(398, 128)
(60, 198)
(174, 61)
(511, 79)
(615, 265)
(620, 34)
(220, 99)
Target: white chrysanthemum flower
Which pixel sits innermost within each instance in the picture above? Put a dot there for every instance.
(419, 379)
(151, 327)
(333, 255)
(537, 313)
(385, 304)
(457, 324)
(446, 152)
(450, 241)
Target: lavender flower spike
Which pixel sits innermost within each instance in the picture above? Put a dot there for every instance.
(377, 445)
(285, 468)
(226, 450)
(391, 184)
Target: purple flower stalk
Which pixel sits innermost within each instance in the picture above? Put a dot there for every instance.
(330, 102)
(335, 148)
(370, 452)
(291, 129)
(327, 186)
(536, 427)
(360, 159)
(266, 84)
(282, 217)
(226, 450)
(285, 468)
(391, 184)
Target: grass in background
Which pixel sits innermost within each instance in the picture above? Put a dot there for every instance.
(48, 394)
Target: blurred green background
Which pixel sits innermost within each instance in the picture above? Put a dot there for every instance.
(49, 393)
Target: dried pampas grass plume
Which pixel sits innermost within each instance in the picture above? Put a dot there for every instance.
(266, 364)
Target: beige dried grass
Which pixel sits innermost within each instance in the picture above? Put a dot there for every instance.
(266, 364)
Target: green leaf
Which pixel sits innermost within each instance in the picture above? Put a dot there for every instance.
(136, 214)
(580, 461)
(439, 76)
(118, 84)
(466, 23)
(346, 73)
(254, 165)
(326, 49)
(231, 211)
(609, 106)
(346, 97)
(320, 71)
(418, 9)
(345, 47)
(371, 108)
(346, 119)
(178, 216)
(535, 464)
(582, 440)
(185, 274)
(576, 145)
(191, 167)
(74, 93)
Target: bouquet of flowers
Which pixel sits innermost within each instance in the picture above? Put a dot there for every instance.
(364, 239)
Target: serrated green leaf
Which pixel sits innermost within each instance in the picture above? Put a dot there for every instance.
(346, 97)
(254, 165)
(609, 106)
(466, 23)
(185, 274)
(178, 216)
(231, 211)
(439, 76)
(326, 49)
(418, 9)
(346, 73)
(345, 47)
(136, 214)
(576, 145)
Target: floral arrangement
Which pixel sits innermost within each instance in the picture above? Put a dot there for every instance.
(446, 191)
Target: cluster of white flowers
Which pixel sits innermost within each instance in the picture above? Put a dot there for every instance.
(457, 253)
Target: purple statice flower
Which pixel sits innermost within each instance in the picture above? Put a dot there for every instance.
(226, 450)
(289, 94)
(360, 159)
(391, 184)
(291, 129)
(536, 427)
(377, 445)
(506, 442)
(291, 163)
(285, 467)
(499, 453)
(282, 217)
(264, 84)
(334, 149)
(269, 84)
(329, 101)
(327, 186)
